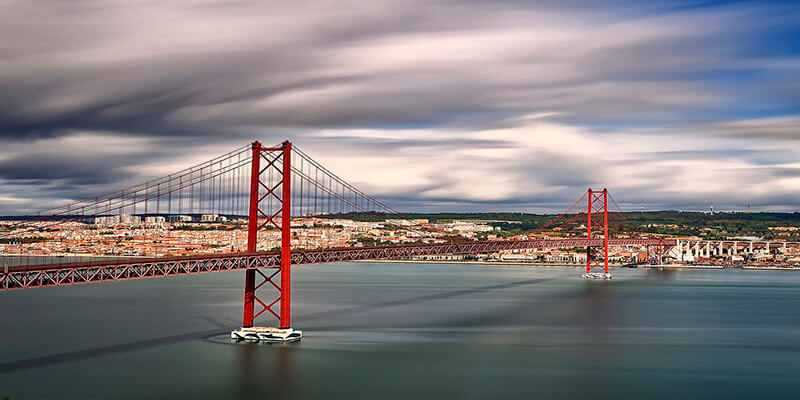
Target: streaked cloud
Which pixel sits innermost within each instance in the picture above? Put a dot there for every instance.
(429, 104)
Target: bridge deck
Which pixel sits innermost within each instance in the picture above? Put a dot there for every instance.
(29, 276)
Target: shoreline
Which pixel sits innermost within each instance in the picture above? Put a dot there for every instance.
(474, 263)
(533, 264)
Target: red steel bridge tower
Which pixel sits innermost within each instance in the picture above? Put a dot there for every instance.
(276, 159)
(597, 223)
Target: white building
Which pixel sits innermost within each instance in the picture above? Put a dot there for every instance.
(406, 222)
(209, 218)
(153, 220)
(122, 219)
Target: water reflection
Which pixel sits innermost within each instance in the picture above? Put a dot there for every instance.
(401, 331)
(265, 369)
(598, 313)
(661, 274)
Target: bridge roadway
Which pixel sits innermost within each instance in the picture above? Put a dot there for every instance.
(30, 276)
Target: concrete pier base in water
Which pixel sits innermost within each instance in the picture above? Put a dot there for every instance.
(596, 275)
(264, 334)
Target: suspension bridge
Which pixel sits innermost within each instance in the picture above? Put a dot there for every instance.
(266, 188)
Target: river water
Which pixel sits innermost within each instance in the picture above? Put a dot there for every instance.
(414, 331)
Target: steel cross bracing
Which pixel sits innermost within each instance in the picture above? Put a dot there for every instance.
(597, 224)
(71, 274)
(278, 161)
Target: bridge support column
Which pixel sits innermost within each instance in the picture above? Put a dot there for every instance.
(286, 239)
(252, 232)
(277, 159)
(597, 219)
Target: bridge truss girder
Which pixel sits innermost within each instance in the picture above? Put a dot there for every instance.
(104, 271)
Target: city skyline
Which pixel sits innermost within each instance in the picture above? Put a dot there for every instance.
(430, 106)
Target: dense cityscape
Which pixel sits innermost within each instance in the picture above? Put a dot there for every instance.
(128, 235)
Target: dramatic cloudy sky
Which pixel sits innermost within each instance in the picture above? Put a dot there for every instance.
(431, 105)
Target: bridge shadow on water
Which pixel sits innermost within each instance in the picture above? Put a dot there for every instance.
(223, 329)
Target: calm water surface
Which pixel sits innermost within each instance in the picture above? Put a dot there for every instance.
(406, 331)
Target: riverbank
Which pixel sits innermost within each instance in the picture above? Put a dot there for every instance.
(580, 265)
(576, 265)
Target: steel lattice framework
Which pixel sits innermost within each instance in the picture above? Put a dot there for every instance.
(597, 221)
(277, 159)
(71, 274)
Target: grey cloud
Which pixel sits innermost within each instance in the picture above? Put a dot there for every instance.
(249, 59)
(756, 158)
(361, 144)
(189, 74)
(787, 128)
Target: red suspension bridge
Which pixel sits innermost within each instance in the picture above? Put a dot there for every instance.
(268, 187)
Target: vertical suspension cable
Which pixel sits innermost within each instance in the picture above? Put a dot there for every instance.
(169, 204)
(200, 195)
(223, 192)
(219, 191)
(180, 195)
(239, 187)
(329, 196)
(295, 193)
(211, 195)
(301, 187)
(158, 199)
(229, 178)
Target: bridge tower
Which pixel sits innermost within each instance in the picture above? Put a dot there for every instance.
(597, 224)
(263, 192)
